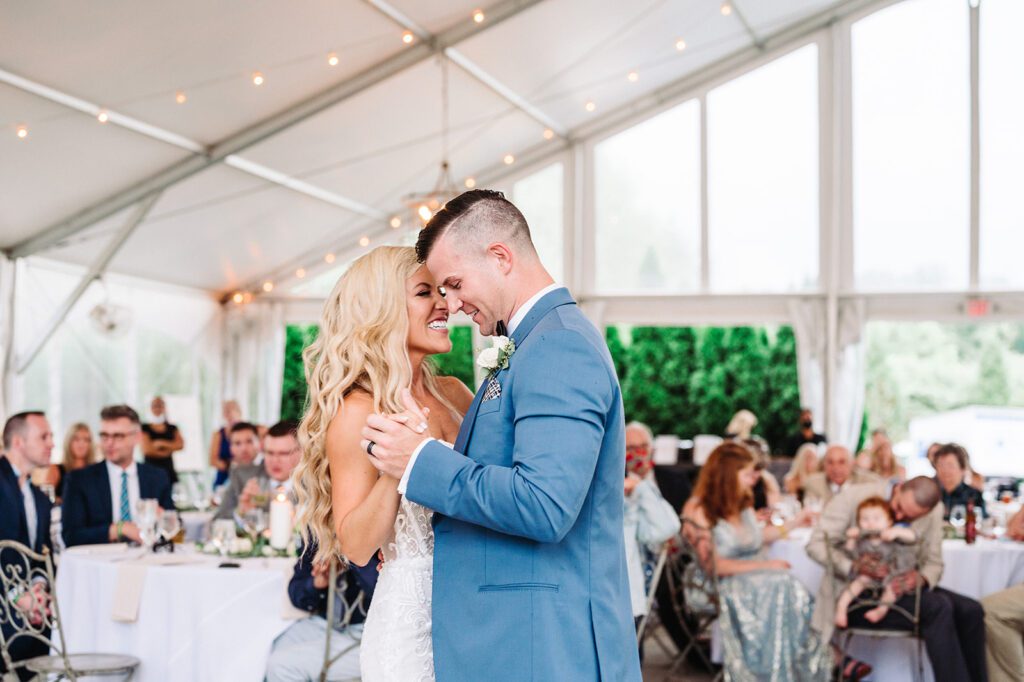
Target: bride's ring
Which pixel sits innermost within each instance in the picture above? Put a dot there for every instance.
(369, 448)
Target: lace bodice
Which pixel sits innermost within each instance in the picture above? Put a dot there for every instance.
(413, 536)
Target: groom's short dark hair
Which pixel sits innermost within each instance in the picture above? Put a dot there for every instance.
(470, 212)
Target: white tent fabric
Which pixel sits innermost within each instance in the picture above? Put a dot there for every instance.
(7, 275)
(811, 331)
(254, 356)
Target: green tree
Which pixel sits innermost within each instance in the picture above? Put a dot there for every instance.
(747, 369)
(782, 404)
(458, 362)
(294, 392)
(991, 387)
(660, 363)
(617, 349)
(710, 387)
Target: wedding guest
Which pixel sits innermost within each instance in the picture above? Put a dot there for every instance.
(244, 442)
(24, 518)
(1004, 633)
(804, 464)
(220, 443)
(806, 434)
(950, 465)
(250, 486)
(100, 500)
(297, 654)
(885, 465)
(741, 425)
(161, 439)
(952, 625)
(837, 474)
(79, 452)
(766, 491)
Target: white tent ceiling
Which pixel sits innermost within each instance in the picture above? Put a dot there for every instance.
(222, 227)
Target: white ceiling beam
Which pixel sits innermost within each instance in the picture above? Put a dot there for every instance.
(471, 67)
(273, 125)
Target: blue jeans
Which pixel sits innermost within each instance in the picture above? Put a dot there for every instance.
(298, 653)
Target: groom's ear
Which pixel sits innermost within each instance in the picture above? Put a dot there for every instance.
(502, 255)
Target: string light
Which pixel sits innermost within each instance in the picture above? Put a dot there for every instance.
(180, 97)
(478, 16)
(103, 117)
(470, 183)
(726, 8)
(680, 45)
(300, 273)
(590, 106)
(364, 241)
(238, 298)
(247, 297)
(268, 286)
(424, 213)
(257, 78)
(329, 258)
(332, 59)
(509, 159)
(396, 222)
(407, 37)
(21, 132)
(549, 134)
(633, 76)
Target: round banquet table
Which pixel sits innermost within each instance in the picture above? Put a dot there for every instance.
(192, 620)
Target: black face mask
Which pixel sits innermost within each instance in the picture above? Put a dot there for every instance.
(806, 423)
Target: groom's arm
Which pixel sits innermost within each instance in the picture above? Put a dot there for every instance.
(560, 411)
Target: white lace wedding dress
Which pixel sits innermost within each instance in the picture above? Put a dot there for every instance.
(396, 645)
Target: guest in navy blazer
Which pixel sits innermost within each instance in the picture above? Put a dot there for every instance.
(24, 518)
(99, 500)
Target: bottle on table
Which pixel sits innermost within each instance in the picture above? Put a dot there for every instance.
(971, 529)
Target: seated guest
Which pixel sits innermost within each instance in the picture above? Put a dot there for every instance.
(647, 518)
(806, 434)
(884, 464)
(244, 443)
(766, 491)
(804, 464)
(24, 518)
(160, 440)
(952, 625)
(1004, 634)
(249, 485)
(100, 500)
(79, 452)
(837, 474)
(950, 466)
(298, 653)
(741, 425)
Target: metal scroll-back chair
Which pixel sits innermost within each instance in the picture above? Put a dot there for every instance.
(21, 571)
(358, 605)
(864, 603)
(644, 628)
(693, 590)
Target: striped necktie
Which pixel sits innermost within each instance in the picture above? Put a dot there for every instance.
(126, 512)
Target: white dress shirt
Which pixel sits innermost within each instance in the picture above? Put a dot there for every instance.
(516, 320)
(114, 474)
(29, 500)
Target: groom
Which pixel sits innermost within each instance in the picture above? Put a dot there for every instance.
(530, 575)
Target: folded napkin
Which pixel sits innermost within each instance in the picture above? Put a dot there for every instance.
(131, 577)
(98, 550)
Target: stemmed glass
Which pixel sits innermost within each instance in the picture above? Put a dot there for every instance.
(222, 534)
(170, 525)
(255, 523)
(958, 518)
(146, 520)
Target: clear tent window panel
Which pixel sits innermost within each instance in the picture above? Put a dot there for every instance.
(647, 205)
(1002, 144)
(763, 178)
(911, 144)
(540, 198)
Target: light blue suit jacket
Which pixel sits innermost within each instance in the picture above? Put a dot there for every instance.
(530, 579)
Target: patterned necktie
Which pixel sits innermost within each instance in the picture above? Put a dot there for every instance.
(126, 512)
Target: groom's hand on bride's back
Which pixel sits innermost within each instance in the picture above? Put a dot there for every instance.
(394, 438)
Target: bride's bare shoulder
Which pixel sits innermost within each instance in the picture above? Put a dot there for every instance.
(356, 406)
(457, 393)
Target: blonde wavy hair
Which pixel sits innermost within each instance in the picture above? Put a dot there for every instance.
(362, 345)
(69, 460)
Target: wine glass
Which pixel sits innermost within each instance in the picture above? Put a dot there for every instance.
(958, 518)
(261, 498)
(170, 525)
(146, 512)
(255, 522)
(222, 534)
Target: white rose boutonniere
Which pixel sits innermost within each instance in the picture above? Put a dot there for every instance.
(495, 358)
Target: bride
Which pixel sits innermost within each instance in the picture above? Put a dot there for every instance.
(381, 321)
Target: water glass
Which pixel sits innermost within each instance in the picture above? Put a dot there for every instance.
(222, 534)
(958, 518)
(170, 525)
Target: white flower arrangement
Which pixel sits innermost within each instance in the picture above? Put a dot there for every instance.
(495, 358)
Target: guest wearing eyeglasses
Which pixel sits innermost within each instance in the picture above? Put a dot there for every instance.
(248, 486)
(100, 500)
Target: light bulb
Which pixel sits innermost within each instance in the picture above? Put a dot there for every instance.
(300, 273)
(332, 59)
(329, 258)
(478, 16)
(509, 159)
(424, 213)
(103, 117)
(470, 183)
(364, 241)
(268, 286)
(407, 37)
(680, 45)
(396, 222)
(549, 134)
(633, 76)
(180, 97)
(238, 297)
(590, 106)
(726, 8)
(22, 132)
(257, 78)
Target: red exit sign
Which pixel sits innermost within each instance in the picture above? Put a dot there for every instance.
(979, 307)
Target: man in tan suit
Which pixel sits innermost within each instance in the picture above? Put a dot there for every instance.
(838, 474)
(952, 626)
(1004, 622)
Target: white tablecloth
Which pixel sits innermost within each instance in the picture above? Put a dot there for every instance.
(196, 622)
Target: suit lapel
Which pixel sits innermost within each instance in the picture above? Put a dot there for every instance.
(8, 473)
(106, 506)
